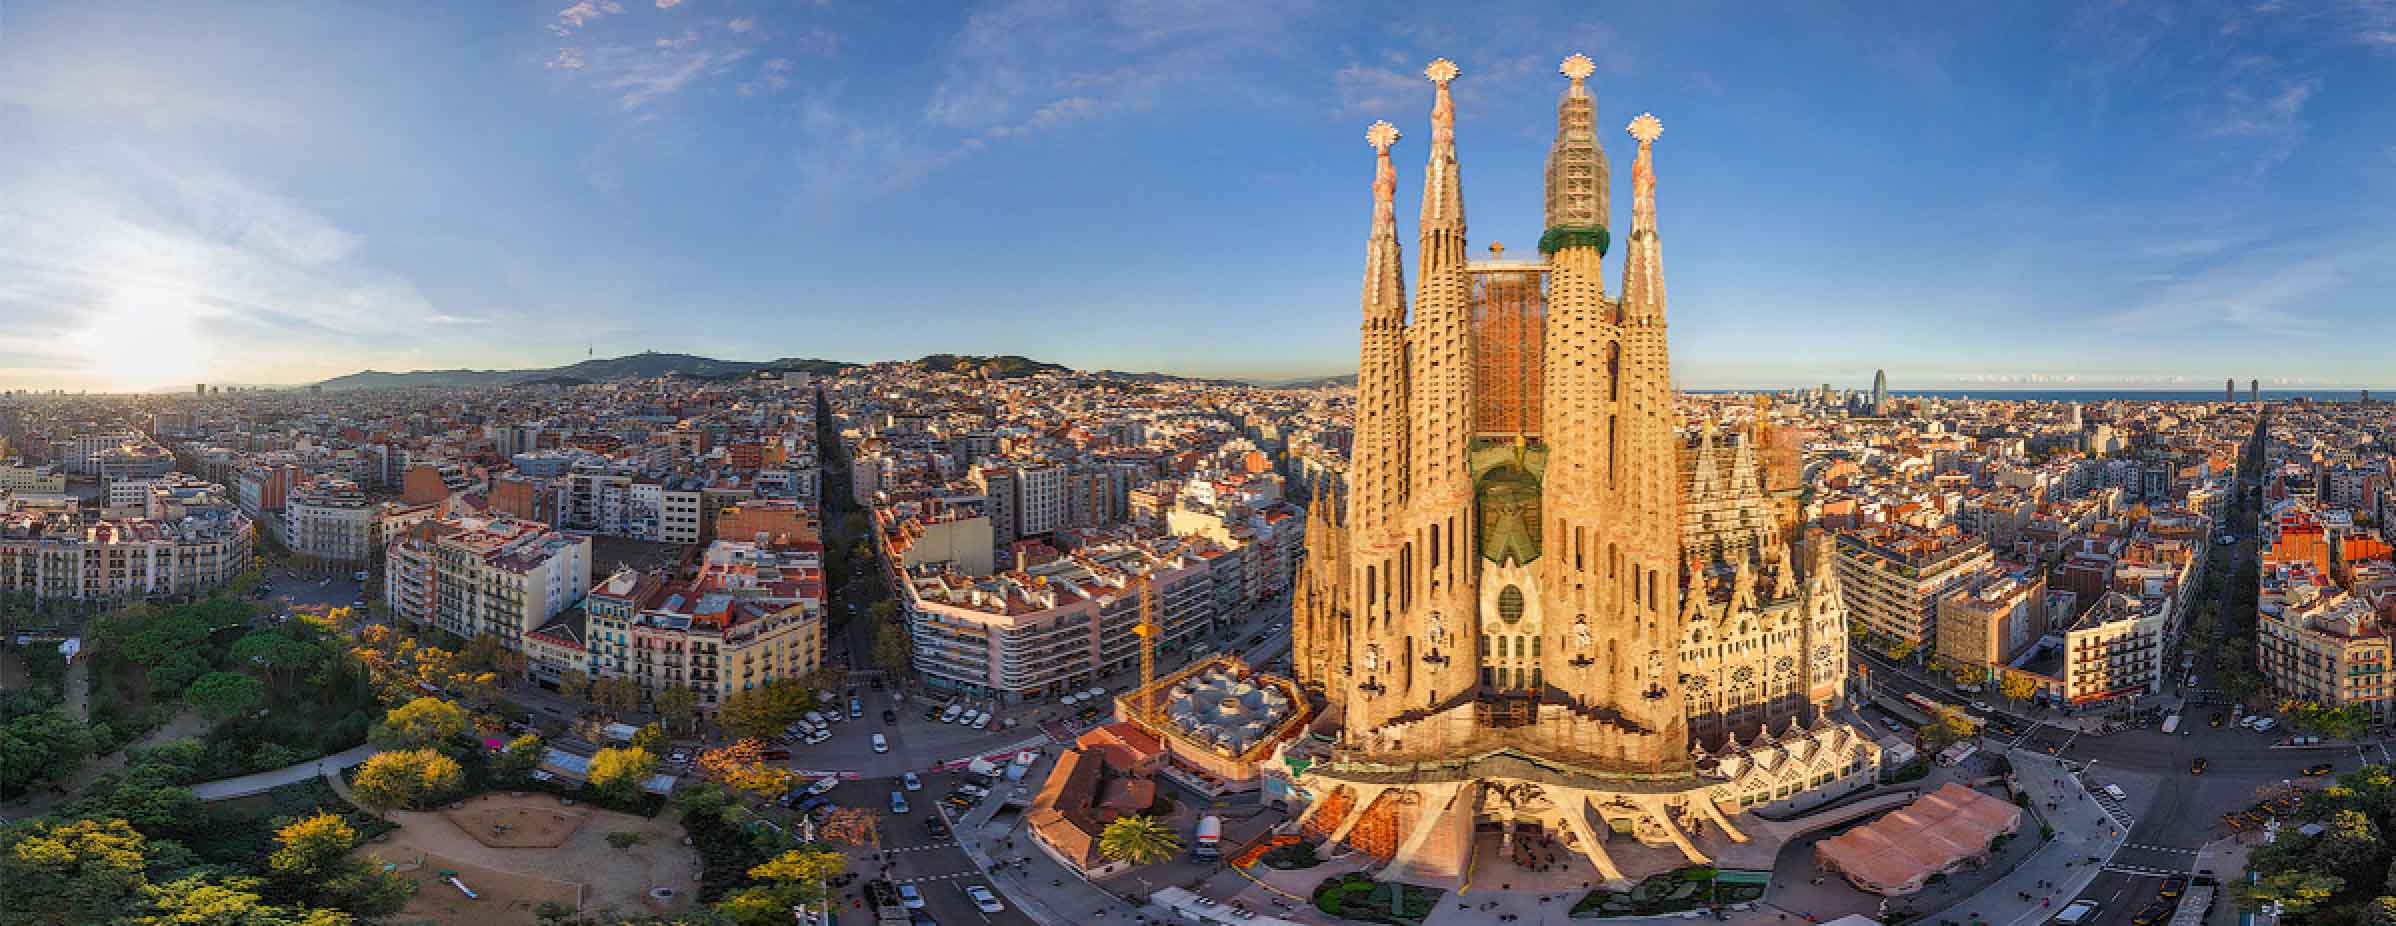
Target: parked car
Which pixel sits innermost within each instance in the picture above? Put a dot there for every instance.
(2172, 888)
(950, 714)
(775, 755)
(2076, 912)
(2316, 771)
(982, 720)
(881, 744)
(913, 783)
(983, 899)
(909, 897)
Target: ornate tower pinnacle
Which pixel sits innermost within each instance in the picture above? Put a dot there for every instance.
(1576, 168)
(1443, 191)
(1646, 129)
(1385, 178)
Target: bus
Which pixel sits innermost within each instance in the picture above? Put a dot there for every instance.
(1928, 705)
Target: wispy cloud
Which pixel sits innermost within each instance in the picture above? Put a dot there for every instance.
(582, 13)
(641, 67)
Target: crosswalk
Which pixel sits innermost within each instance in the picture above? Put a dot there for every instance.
(919, 879)
(2143, 871)
(921, 848)
(2147, 848)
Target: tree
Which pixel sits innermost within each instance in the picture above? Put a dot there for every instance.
(198, 901)
(857, 826)
(616, 694)
(312, 848)
(810, 867)
(173, 672)
(619, 773)
(2018, 686)
(407, 778)
(40, 747)
(788, 880)
(275, 656)
(891, 648)
(84, 871)
(522, 755)
(574, 684)
(1900, 650)
(1951, 725)
(1139, 839)
(742, 765)
(421, 722)
(677, 706)
(766, 709)
(650, 737)
(222, 696)
(2297, 892)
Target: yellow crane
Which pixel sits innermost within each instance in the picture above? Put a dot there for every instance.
(1146, 630)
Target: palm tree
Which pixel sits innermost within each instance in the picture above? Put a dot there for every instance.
(1140, 840)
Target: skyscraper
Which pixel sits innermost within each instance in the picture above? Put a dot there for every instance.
(2254, 391)
(2229, 390)
(1506, 591)
(1880, 393)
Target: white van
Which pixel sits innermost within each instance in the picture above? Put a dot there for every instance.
(2076, 912)
(2117, 793)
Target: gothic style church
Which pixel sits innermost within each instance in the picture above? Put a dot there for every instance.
(1532, 613)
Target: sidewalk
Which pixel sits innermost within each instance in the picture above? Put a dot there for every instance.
(245, 785)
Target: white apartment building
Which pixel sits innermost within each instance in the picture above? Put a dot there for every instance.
(329, 519)
(18, 479)
(470, 577)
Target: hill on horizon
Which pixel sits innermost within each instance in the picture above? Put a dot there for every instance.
(652, 365)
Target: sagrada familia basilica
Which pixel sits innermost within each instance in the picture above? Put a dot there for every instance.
(1549, 608)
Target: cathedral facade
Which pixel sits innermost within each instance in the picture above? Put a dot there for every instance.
(1531, 613)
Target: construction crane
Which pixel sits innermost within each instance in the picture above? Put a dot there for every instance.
(1146, 630)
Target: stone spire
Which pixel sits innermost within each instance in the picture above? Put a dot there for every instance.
(1377, 489)
(1643, 267)
(1648, 507)
(1441, 334)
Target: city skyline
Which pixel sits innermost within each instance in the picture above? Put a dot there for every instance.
(514, 188)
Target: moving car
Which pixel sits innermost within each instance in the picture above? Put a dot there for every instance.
(913, 783)
(983, 899)
(889, 716)
(2197, 767)
(898, 802)
(2172, 888)
(909, 897)
(856, 708)
(2216, 718)
(933, 827)
(881, 744)
(2316, 771)
(2076, 912)
(2152, 914)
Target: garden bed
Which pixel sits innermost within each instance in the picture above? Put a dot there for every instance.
(1356, 896)
(1678, 891)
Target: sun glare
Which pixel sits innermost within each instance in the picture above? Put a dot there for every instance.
(144, 339)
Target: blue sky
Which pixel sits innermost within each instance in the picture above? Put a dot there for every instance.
(1968, 195)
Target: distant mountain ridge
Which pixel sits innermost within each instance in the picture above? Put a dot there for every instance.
(644, 365)
(652, 365)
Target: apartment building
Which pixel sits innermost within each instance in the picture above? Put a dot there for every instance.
(329, 519)
(749, 615)
(52, 555)
(2326, 646)
(19, 479)
(2115, 651)
(1892, 577)
(1991, 618)
(472, 576)
(1053, 628)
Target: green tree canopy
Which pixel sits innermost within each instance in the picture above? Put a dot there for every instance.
(222, 696)
(765, 710)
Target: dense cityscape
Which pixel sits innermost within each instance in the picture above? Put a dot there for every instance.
(1504, 621)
